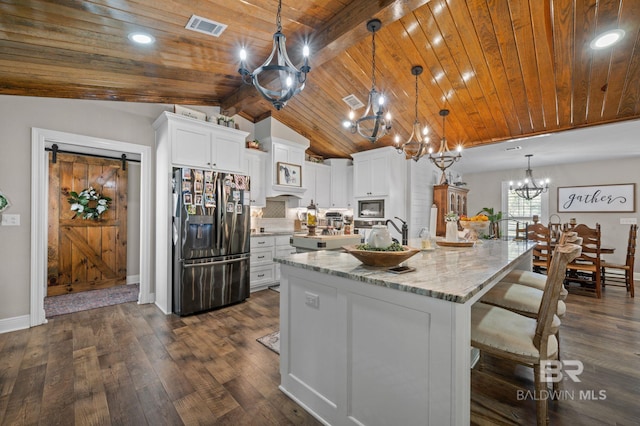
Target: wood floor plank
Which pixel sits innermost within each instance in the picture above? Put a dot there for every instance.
(91, 405)
(25, 401)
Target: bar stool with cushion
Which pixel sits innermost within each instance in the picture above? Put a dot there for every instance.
(524, 299)
(528, 341)
(626, 268)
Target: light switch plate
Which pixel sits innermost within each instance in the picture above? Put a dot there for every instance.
(10, 220)
(628, 221)
(312, 300)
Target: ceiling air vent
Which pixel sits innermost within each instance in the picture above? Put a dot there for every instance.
(205, 26)
(353, 102)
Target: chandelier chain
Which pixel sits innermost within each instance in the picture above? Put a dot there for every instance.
(416, 103)
(373, 62)
(278, 19)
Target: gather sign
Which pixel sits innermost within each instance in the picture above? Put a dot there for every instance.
(617, 198)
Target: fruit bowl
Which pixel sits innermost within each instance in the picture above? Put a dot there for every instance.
(381, 258)
(475, 227)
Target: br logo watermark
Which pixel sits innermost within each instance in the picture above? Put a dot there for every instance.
(552, 371)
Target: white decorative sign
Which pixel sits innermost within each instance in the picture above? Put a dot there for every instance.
(598, 199)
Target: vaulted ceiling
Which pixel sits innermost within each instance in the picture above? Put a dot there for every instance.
(504, 68)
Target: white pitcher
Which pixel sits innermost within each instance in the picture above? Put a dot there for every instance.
(452, 232)
(379, 237)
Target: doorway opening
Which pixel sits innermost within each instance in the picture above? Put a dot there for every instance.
(43, 139)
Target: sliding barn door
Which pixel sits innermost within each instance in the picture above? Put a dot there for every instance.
(86, 254)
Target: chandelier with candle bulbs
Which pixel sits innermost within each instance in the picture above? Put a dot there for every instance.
(528, 188)
(417, 144)
(444, 157)
(280, 81)
(376, 120)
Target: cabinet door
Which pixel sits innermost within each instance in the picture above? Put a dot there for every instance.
(309, 182)
(362, 178)
(227, 154)
(191, 146)
(349, 188)
(339, 184)
(379, 169)
(323, 186)
(256, 170)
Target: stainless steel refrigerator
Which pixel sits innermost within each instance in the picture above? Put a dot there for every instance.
(210, 240)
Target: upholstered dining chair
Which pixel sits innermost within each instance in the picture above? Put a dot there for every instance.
(626, 268)
(586, 269)
(527, 341)
(542, 251)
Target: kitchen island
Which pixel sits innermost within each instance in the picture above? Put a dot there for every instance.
(360, 345)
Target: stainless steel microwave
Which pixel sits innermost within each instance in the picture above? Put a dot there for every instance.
(370, 209)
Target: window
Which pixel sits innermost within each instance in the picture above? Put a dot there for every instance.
(518, 209)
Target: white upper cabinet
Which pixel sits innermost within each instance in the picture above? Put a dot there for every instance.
(317, 180)
(341, 182)
(256, 161)
(201, 144)
(372, 172)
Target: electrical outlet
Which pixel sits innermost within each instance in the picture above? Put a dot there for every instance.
(628, 221)
(10, 220)
(312, 300)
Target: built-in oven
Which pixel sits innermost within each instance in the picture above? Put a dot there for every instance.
(370, 209)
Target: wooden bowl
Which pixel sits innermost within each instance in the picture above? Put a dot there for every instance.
(381, 258)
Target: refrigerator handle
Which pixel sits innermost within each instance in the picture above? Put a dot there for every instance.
(218, 262)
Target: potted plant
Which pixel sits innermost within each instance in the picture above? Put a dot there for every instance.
(494, 218)
(254, 144)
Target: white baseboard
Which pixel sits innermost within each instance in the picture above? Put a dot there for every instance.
(15, 323)
(133, 279)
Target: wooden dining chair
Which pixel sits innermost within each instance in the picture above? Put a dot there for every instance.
(527, 341)
(542, 252)
(586, 269)
(521, 231)
(624, 273)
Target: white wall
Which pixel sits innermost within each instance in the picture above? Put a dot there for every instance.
(484, 191)
(126, 122)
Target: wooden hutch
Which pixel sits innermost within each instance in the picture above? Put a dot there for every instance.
(448, 198)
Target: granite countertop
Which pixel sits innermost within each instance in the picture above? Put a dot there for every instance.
(448, 273)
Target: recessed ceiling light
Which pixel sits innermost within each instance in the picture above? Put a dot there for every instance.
(607, 38)
(141, 38)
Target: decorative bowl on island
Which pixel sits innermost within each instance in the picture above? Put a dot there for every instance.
(381, 258)
(476, 228)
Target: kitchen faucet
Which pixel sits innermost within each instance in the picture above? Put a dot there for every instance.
(404, 231)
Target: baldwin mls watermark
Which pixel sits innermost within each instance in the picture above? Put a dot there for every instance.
(553, 371)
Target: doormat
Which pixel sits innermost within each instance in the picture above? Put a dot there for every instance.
(83, 301)
(271, 341)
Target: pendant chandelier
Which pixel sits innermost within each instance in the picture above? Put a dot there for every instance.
(280, 81)
(444, 158)
(528, 189)
(376, 121)
(416, 146)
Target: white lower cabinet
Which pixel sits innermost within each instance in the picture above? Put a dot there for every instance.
(263, 271)
(283, 248)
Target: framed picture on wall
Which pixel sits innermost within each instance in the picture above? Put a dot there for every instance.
(289, 174)
(615, 198)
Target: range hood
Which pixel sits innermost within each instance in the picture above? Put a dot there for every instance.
(285, 168)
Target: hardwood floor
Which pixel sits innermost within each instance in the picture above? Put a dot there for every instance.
(130, 364)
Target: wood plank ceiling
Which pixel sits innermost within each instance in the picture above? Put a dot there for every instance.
(504, 68)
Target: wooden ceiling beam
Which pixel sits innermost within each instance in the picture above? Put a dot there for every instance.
(343, 31)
